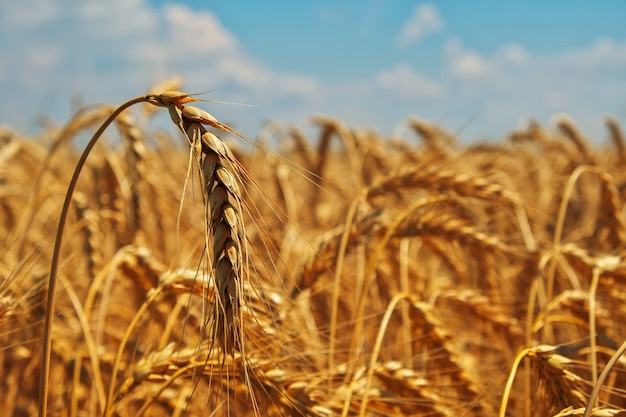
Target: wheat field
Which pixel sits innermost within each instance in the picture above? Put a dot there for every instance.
(347, 274)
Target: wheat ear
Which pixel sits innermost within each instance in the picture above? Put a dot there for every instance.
(224, 203)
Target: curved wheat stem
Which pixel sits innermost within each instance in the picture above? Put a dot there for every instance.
(47, 330)
(163, 100)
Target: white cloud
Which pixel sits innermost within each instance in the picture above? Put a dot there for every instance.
(603, 53)
(513, 82)
(197, 31)
(425, 20)
(113, 19)
(112, 53)
(464, 63)
(28, 14)
(403, 81)
(109, 51)
(513, 54)
(43, 58)
(468, 64)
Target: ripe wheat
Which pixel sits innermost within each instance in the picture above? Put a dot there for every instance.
(376, 277)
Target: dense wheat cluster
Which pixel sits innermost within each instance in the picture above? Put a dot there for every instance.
(354, 274)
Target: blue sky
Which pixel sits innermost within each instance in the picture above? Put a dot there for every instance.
(479, 68)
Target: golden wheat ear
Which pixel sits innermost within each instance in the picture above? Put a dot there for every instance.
(224, 201)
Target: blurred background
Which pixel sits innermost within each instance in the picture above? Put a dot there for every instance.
(480, 68)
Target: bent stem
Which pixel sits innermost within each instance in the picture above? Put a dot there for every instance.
(598, 384)
(509, 382)
(52, 283)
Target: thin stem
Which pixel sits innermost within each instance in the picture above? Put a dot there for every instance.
(341, 253)
(52, 283)
(605, 372)
(384, 324)
(510, 380)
